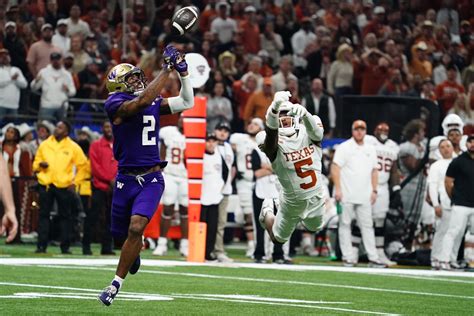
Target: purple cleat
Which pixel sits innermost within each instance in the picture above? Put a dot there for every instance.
(108, 294)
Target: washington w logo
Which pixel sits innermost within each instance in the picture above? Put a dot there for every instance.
(119, 185)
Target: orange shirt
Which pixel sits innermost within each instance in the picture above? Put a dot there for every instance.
(251, 37)
(373, 78)
(257, 105)
(447, 92)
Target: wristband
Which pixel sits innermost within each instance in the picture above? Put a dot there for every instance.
(396, 188)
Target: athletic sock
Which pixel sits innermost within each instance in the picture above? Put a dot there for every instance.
(119, 280)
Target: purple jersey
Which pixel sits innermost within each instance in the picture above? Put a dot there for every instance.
(136, 138)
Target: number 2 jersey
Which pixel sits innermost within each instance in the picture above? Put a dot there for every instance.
(175, 143)
(136, 138)
(298, 166)
(387, 155)
(244, 146)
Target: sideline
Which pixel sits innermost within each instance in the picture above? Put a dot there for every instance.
(266, 266)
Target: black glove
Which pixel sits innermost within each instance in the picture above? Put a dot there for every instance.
(396, 198)
(239, 175)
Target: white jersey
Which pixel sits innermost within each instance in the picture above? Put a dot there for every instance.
(387, 155)
(298, 166)
(175, 143)
(244, 145)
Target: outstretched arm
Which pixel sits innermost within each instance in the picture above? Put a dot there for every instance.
(150, 93)
(270, 145)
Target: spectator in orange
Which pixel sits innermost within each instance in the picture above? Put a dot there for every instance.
(250, 31)
(259, 102)
(332, 19)
(420, 65)
(376, 24)
(39, 52)
(448, 90)
(207, 15)
(242, 91)
(374, 68)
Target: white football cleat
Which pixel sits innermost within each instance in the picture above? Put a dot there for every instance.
(161, 247)
(383, 258)
(250, 249)
(183, 247)
(222, 258)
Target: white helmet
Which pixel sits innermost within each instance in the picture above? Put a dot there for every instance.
(288, 131)
(450, 122)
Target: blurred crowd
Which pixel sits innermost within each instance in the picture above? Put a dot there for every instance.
(315, 49)
(321, 50)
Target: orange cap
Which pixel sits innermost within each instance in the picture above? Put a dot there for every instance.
(359, 124)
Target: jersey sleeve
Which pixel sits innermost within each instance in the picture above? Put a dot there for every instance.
(114, 102)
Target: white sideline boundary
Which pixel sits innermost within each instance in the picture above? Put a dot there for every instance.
(286, 267)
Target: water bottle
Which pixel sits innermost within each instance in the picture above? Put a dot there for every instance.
(338, 208)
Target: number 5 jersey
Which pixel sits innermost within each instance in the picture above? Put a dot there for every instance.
(298, 166)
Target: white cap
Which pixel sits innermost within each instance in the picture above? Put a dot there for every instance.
(24, 129)
(10, 23)
(379, 10)
(250, 8)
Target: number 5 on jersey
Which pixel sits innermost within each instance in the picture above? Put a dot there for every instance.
(307, 173)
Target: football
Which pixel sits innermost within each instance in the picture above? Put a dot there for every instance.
(185, 19)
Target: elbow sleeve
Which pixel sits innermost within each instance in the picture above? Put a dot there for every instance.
(185, 100)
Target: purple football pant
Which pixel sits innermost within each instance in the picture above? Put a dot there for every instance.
(135, 195)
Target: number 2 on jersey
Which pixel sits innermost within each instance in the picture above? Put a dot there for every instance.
(146, 140)
(304, 174)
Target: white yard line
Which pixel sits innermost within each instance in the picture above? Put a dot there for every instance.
(286, 304)
(221, 277)
(247, 299)
(295, 267)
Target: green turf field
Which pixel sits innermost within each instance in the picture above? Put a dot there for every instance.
(55, 284)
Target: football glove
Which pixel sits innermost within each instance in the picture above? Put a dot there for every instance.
(298, 110)
(279, 98)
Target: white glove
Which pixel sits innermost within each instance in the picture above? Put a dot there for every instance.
(298, 110)
(279, 98)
